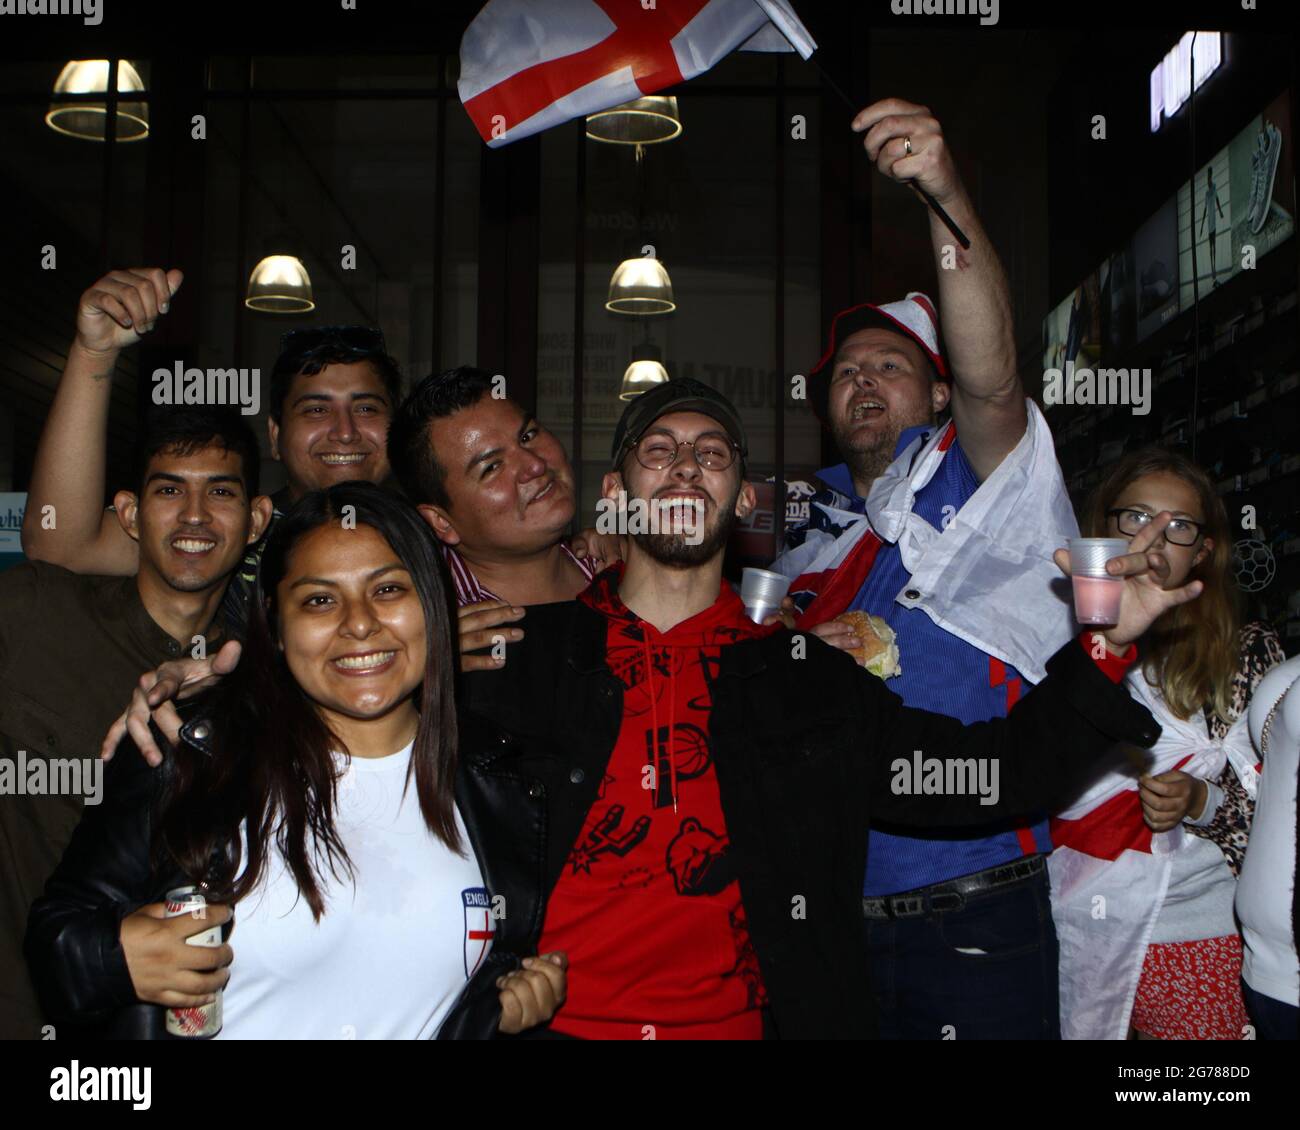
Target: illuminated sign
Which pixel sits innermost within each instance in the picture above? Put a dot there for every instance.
(1171, 81)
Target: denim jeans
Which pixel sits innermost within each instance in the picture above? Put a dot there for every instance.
(1273, 1019)
(986, 970)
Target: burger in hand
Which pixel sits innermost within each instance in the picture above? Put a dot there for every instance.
(878, 652)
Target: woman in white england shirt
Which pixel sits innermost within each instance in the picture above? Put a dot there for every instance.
(315, 795)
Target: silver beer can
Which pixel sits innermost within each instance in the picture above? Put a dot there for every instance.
(201, 1022)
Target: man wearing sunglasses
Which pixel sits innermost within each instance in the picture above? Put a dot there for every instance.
(332, 392)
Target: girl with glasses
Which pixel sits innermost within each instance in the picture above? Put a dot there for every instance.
(1147, 857)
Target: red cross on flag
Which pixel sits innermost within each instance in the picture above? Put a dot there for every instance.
(527, 65)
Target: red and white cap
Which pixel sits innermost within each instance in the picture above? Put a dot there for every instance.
(914, 317)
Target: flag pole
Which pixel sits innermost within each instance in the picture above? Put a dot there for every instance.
(935, 206)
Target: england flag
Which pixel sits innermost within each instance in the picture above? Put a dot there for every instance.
(527, 65)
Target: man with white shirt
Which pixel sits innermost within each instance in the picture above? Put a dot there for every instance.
(942, 520)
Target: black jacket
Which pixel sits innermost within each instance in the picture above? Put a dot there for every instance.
(73, 948)
(803, 749)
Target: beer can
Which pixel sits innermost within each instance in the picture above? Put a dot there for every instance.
(201, 1022)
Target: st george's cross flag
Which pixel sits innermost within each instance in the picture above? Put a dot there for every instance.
(527, 65)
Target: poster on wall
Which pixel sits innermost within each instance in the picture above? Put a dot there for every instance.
(1262, 181)
(1118, 294)
(1072, 332)
(1155, 255)
(1208, 211)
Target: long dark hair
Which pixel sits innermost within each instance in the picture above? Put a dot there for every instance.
(272, 762)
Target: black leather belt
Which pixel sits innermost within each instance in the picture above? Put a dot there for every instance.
(951, 895)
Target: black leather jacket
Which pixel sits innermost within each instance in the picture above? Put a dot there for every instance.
(803, 744)
(73, 948)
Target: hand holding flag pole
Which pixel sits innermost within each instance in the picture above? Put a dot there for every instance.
(934, 205)
(784, 19)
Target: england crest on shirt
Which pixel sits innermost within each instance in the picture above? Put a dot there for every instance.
(479, 929)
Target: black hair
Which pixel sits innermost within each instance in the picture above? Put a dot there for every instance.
(410, 449)
(187, 430)
(333, 345)
(272, 764)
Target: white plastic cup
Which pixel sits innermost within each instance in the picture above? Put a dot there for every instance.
(762, 592)
(1097, 594)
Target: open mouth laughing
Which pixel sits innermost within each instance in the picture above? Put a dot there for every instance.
(866, 410)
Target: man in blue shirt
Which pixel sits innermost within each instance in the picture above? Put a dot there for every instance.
(960, 934)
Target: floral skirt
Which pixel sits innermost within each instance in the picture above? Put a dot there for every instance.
(1192, 991)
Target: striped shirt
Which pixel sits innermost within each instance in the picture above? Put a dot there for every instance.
(470, 591)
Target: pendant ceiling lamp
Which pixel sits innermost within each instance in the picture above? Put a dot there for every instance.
(646, 371)
(280, 284)
(643, 121)
(87, 117)
(640, 286)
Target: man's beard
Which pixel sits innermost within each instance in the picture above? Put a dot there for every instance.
(674, 549)
(868, 464)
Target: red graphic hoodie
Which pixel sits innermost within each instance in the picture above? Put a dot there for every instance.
(647, 907)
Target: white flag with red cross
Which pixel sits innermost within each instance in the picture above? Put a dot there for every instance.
(527, 65)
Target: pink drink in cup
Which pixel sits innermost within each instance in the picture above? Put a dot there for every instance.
(1096, 593)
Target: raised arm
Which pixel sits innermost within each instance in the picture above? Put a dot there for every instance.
(69, 471)
(988, 400)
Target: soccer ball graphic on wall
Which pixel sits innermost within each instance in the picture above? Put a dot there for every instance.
(1253, 565)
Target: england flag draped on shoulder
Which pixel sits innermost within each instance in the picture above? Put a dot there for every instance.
(527, 65)
(987, 578)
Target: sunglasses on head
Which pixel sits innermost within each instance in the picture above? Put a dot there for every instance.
(361, 338)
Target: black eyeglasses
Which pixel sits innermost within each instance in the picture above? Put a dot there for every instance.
(363, 339)
(658, 450)
(1180, 531)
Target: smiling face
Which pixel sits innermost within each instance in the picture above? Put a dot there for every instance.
(350, 623)
(1162, 490)
(507, 478)
(192, 518)
(681, 490)
(333, 428)
(880, 385)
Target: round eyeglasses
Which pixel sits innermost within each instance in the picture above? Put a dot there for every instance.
(1180, 531)
(658, 450)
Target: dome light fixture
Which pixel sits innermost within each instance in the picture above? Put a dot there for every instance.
(280, 284)
(640, 286)
(87, 118)
(643, 121)
(646, 371)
